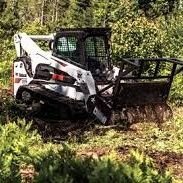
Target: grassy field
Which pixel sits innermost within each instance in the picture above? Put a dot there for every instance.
(163, 143)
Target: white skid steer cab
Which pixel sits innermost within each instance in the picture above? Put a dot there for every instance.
(76, 75)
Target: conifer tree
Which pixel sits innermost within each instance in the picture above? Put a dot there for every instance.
(80, 13)
(9, 20)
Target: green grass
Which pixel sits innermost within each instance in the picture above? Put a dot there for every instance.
(145, 137)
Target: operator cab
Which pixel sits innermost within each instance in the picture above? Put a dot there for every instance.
(86, 47)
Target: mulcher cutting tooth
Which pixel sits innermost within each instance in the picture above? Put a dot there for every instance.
(154, 112)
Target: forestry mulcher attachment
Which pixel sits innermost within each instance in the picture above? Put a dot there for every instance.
(76, 75)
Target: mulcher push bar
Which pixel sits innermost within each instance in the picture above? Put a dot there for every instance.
(142, 87)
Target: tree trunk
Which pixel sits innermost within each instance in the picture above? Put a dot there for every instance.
(42, 12)
(56, 11)
(54, 15)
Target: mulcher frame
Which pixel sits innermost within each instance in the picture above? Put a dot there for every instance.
(131, 89)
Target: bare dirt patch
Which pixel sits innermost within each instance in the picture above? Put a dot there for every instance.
(163, 159)
(169, 160)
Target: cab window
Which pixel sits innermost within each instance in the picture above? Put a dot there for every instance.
(67, 47)
(96, 53)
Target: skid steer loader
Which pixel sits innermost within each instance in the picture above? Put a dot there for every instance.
(76, 74)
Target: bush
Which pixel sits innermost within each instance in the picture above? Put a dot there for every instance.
(66, 167)
(6, 61)
(138, 38)
(176, 94)
(16, 144)
(23, 156)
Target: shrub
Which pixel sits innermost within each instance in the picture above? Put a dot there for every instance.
(176, 94)
(66, 167)
(16, 143)
(23, 156)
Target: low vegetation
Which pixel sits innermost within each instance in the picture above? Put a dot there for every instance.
(24, 157)
(38, 152)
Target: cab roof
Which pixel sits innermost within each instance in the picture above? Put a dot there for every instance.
(90, 31)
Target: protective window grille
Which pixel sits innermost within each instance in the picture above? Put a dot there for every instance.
(95, 48)
(67, 47)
